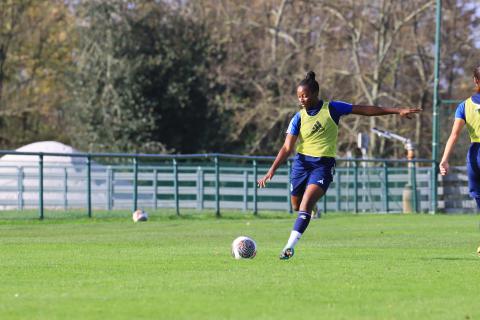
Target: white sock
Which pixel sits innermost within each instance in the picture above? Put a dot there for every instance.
(292, 241)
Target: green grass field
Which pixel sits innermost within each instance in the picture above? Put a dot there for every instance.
(345, 267)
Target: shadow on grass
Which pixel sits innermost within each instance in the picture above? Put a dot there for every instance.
(81, 216)
(473, 257)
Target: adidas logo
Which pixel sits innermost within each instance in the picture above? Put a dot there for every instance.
(316, 127)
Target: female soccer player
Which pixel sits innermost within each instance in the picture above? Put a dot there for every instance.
(467, 113)
(315, 127)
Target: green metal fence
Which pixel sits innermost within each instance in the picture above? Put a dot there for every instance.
(207, 181)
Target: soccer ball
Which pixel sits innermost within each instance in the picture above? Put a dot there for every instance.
(244, 248)
(478, 251)
(139, 215)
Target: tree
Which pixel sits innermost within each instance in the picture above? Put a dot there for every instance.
(35, 55)
(366, 52)
(143, 81)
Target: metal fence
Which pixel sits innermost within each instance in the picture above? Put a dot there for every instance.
(207, 181)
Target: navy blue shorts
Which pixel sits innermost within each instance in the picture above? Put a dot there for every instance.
(311, 170)
(473, 170)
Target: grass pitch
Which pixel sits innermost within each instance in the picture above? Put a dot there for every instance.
(345, 267)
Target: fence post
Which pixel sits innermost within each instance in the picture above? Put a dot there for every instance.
(245, 190)
(65, 188)
(89, 185)
(290, 209)
(324, 205)
(175, 187)
(433, 188)
(347, 193)
(109, 188)
(200, 188)
(155, 189)
(20, 187)
(217, 186)
(135, 184)
(255, 174)
(414, 187)
(385, 187)
(355, 185)
(40, 182)
(337, 190)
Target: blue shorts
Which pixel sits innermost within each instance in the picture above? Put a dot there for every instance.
(311, 170)
(473, 170)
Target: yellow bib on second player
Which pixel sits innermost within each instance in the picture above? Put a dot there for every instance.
(318, 134)
(472, 119)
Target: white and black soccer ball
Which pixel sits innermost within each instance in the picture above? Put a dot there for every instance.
(244, 248)
(139, 215)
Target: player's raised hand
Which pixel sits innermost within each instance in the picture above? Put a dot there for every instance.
(407, 113)
(263, 181)
(444, 168)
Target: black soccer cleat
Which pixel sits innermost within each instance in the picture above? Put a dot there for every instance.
(287, 254)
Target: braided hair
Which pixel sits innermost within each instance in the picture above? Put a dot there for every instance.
(313, 86)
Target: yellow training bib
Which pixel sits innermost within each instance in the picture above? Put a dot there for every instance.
(318, 134)
(472, 119)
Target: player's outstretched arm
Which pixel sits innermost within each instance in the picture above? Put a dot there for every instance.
(380, 111)
(452, 140)
(282, 155)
